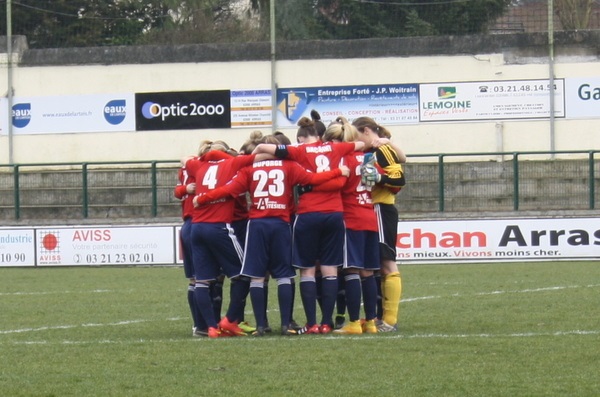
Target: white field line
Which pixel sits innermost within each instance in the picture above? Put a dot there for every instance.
(522, 291)
(556, 288)
(94, 291)
(311, 337)
(48, 328)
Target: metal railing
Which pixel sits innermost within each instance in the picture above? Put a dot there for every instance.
(88, 190)
(460, 182)
(506, 181)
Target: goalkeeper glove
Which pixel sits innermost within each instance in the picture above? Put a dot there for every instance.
(372, 179)
(368, 172)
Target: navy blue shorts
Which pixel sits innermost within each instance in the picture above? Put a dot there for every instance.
(318, 236)
(215, 251)
(362, 250)
(185, 236)
(239, 228)
(268, 249)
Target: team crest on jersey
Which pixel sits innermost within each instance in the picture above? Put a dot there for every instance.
(364, 198)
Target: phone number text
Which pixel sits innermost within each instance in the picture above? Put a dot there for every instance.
(114, 258)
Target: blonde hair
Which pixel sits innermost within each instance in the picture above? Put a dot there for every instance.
(255, 138)
(270, 139)
(340, 130)
(207, 146)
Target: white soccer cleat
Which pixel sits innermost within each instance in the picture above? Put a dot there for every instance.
(385, 327)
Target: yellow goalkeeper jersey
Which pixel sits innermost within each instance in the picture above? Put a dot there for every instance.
(393, 179)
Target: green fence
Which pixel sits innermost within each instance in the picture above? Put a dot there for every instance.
(444, 183)
(506, 181)
(136, 189)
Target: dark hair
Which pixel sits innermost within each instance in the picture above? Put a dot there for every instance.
(362, 122)
(306, 128)
(319, 126)
(284, 140)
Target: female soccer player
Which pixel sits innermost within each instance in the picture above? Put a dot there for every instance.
(184, 191)
(386, 185)
(318, 230)
(362, 238)
(268, 245)
(215, 248)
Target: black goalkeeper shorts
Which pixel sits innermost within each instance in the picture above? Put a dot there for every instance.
(387, 218)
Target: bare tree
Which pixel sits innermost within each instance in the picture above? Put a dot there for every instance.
(574, 14)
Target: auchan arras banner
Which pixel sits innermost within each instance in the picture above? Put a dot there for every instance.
(454, 241)
(498, 240)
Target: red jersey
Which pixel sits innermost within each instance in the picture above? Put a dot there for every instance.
(210, 175)
(358, 206)
(318, 157)
(180, 192)
(240, 209)
(270, 183)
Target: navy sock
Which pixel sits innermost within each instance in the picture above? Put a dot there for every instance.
(319, 284)
(257, 297)
(237, 294)
(293, 284)
(369, 291)
(284, 295)
(204, 304)
(379, 295)
(266, 293)
(329, 296)
(196, 315)
(340, 303)
(353, 295)
(216, 293)
(308, 293)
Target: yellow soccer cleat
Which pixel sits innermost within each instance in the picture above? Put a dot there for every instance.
(369, 327)
(247, 328)
(352, 328)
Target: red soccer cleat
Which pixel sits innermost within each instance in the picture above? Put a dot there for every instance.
(325, 329)
(308, 330)
(231, 328)
(213, 332)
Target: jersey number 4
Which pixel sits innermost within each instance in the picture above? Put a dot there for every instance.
(210, 177)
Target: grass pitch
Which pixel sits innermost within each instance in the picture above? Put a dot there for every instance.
(517, 329)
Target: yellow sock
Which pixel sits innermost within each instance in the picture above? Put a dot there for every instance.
(392, 285)
(382, 283)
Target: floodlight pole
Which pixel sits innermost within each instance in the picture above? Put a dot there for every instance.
(273, 70)
(551, 90)
(9, 74)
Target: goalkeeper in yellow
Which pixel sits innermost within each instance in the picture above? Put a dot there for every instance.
(385, 185)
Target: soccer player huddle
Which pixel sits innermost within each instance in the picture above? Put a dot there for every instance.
(322, 208)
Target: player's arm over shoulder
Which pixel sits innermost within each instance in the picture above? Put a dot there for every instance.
(393, 174)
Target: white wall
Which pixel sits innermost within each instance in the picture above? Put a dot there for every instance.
(456, 137)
